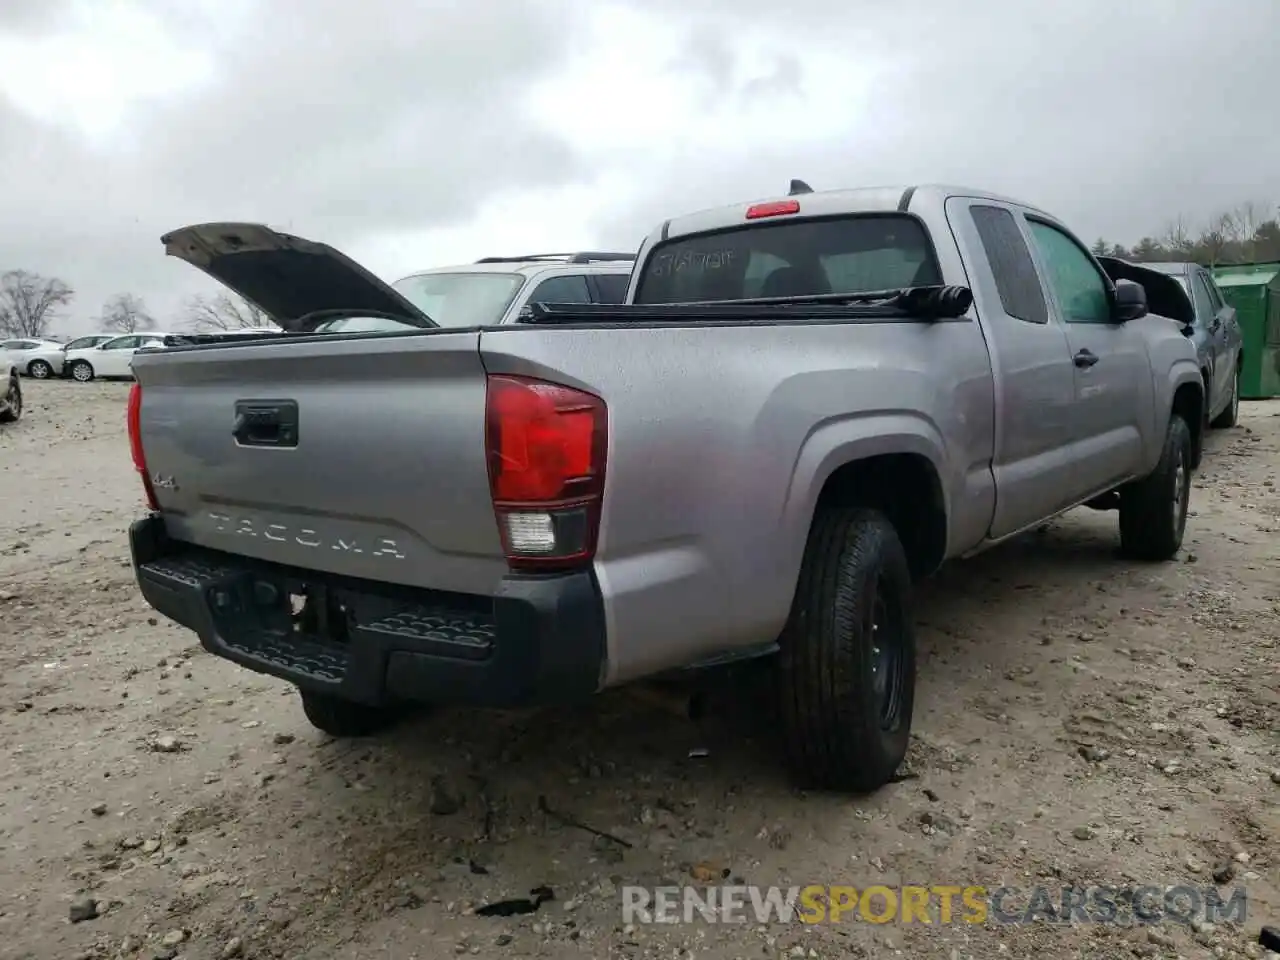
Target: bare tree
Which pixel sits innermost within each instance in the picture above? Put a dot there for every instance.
(125, 313)
(225, 313)
(29, 303)
(1246, 219)
(1216, 238)
(1177, 239)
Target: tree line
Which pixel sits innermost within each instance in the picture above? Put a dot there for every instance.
(1248, 234)
(32, 306)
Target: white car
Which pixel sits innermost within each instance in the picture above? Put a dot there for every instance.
(34, 356)
(111, 358)
(10, 389)
(81, 343)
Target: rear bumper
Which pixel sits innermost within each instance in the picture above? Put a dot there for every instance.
(539, 640)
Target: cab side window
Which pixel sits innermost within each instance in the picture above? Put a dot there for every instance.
(1011, 265)
(1081, 289)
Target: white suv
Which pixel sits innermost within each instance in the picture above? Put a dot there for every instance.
(497, 290)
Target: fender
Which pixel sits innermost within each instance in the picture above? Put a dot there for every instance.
(835, 442)
(1180, 373)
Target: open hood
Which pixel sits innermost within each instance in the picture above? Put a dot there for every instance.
(1165, 296)
(286, 276)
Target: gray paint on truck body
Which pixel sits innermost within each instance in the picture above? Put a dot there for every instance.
(720, 437)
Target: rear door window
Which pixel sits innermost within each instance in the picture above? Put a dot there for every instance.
(571, 289)
(854, 254)
(612, 287)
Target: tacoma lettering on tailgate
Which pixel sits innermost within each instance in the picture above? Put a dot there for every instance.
(304, 536)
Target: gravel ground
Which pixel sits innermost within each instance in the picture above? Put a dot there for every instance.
(1079, 721)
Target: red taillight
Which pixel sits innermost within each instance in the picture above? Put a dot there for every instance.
(778, 208)
(546, 446)
(134, 420)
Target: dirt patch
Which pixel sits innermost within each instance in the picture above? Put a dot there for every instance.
(1081, 721)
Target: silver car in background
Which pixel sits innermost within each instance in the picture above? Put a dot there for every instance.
(34, 357)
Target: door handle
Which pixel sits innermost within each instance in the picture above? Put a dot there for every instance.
(1085, 358)
(266, 423)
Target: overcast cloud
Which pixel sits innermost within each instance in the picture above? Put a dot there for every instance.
(418, 133)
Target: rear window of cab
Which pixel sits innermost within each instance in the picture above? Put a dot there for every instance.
(832, 255)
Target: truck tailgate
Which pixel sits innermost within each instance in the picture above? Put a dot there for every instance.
(363, 457)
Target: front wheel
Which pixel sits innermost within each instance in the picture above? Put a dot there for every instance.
(81, 371)
(1231, 415)
(345, 718)
(847, 656)
(11, 404)
(39, 370)
(1153, 510)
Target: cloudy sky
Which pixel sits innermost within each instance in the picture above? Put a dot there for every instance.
(414, 133)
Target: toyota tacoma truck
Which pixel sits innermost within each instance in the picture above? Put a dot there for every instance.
(806, 404)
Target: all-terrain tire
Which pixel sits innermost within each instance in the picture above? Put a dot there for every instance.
(13, 401)
(345, 718)
(1231, 415)
(852, 599)
(1153, 510)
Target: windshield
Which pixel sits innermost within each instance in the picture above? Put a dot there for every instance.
(84, 342)
(461, 299)
(853, 254)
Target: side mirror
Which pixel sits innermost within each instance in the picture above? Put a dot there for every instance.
(1130, 302)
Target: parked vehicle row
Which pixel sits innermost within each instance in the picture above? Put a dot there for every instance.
(804, 405)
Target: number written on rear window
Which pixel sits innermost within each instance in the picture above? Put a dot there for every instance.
(855, 254)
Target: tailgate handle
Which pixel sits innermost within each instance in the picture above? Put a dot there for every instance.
(266, 423)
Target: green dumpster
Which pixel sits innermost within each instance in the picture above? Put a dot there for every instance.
(1254, 290)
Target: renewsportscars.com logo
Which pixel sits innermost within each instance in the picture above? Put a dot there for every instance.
(939, 904)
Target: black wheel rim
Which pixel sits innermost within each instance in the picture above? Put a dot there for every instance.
(884, 630)
(1181, 492)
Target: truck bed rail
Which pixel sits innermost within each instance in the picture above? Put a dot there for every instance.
(914, 304)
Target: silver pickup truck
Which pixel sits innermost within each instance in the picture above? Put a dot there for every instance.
(807, 404)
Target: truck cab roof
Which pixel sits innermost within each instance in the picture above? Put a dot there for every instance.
(824, 203)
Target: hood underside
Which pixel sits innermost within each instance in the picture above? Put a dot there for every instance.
(1165, 295)
(287, 277)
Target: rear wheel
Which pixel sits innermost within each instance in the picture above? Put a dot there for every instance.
(1231, 415)
(81, 371)
(11, 407)
(345, 718)
(847, 657)
(1153, 510)
(39, 370)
